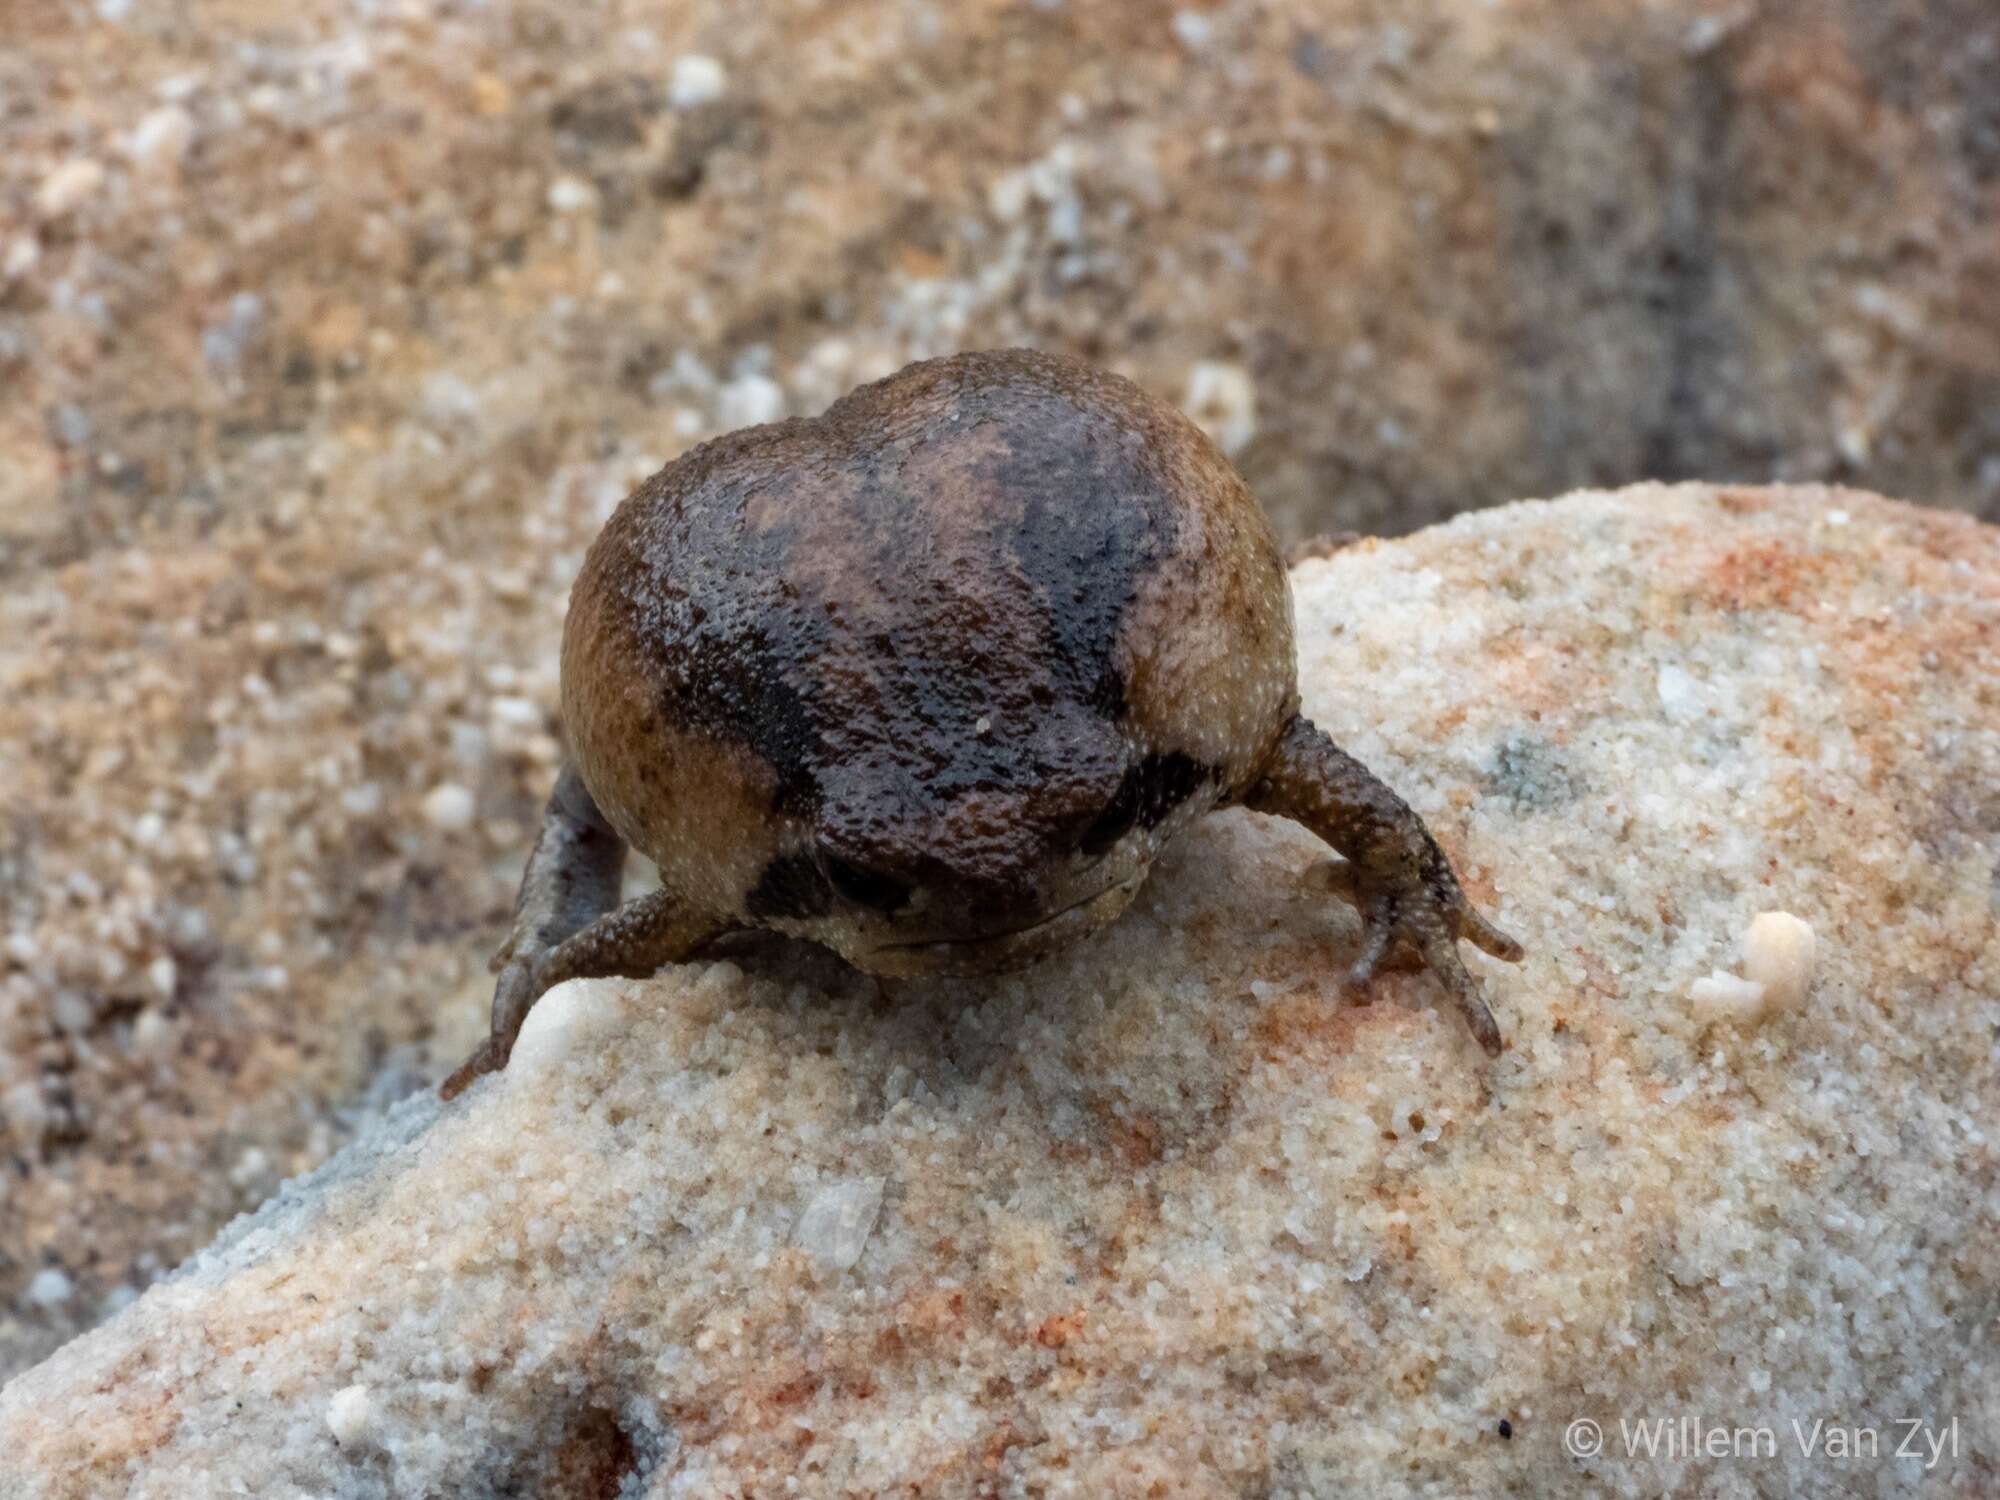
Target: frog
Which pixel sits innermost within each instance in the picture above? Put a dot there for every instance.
(931, 680)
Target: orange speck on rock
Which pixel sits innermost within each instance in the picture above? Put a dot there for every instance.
(1763, 575)
(920, 264)
(931, 1313)
(1136, 1139)
(1742, 502)
(1060, 1329)
(794, 1392)
(1307, 1026)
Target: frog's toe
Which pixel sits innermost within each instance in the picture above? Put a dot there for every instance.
(1483, 935)
(486, 1058)
(515, 992)
(1440, 951)
(1392, 928)
(1378, 933)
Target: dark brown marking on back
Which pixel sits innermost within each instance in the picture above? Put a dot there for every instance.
(910, 609)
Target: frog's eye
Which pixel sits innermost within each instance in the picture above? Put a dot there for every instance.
(869, 888)
(1150, 791)
(1116, 820)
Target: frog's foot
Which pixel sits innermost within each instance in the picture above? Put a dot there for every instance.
(571, 880)
(1410, 901)
(634, 939)
(1409, 929)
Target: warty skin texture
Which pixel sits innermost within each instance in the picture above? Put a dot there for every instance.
(930, 680)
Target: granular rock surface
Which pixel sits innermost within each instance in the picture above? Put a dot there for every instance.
(1177, 1213)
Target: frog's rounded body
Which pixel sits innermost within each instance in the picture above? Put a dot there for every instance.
(927, 676)
(931, 679)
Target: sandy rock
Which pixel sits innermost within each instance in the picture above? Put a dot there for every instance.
(1178, 1213)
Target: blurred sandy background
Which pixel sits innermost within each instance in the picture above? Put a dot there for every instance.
(329, 332)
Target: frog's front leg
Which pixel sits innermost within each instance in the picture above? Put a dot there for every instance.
(568, 923)
(1396, 875)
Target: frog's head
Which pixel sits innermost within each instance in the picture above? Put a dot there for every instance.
(982, 877)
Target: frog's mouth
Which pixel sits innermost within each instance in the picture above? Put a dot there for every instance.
(1007, 950)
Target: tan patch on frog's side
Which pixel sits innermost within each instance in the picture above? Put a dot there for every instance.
(700, 808)
(1208, 640)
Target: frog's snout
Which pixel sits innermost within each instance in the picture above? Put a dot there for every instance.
(983, 943)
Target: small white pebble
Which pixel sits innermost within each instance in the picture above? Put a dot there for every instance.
(1007, 196)
(1065, 220)
(574, 1014)
(1192, 29)
(161, 138)
(449, 806)
(1778, 952)
(25, 1109)
(1222, 399)
(696, 80)
(21, 257)
(571, 195)
(50, 1288)
(68, 187)
(749, 401)
(448, 397)
(351, 1416)
(1680, 695)
(1703, 33)
(152, 1031)
(516, 713)
(363, 800)
(1725, 997)
(835, 1226)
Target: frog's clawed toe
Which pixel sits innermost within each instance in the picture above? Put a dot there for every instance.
(1442, 958)
(1483, 935)
(513, 994)
(486, 1058)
